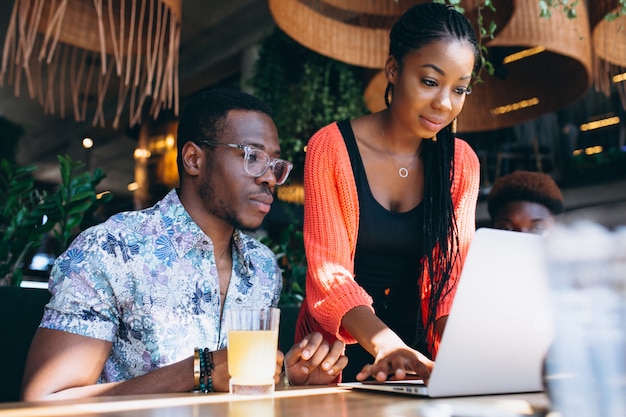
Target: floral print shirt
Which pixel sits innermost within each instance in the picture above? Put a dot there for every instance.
(147, 282)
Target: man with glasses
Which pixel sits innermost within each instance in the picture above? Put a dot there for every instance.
(133, 297)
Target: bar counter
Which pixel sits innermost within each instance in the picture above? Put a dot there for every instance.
(326, 401)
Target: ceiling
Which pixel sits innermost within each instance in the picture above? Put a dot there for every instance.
(214, 35)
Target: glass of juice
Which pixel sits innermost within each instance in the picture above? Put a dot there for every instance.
(252, 346)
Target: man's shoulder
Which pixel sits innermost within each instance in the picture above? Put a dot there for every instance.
(124, 224)
(128, 220)
(137, 217)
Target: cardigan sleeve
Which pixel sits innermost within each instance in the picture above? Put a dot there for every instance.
(330, 233)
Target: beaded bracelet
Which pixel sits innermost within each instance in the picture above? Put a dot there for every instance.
(205, 370)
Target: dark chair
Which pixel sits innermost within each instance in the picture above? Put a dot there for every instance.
(287, 327)
(20, 313)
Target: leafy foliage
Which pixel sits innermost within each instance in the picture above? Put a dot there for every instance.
(569, 8)
(485, 33)
(27, 213)
(289, 250)
(306, 91)
(76, 199)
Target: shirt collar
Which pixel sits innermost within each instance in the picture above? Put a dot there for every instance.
(185, 234)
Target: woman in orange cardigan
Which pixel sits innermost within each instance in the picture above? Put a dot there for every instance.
(390, 205)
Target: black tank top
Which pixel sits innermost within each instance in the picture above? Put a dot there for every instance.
(387, 261)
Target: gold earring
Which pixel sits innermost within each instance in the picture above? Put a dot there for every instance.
(453, 126)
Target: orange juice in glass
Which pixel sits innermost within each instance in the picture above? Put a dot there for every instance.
(252, 346)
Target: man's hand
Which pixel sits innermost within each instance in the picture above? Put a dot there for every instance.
(314, 361)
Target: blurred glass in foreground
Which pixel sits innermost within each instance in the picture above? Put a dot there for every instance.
(586, 367)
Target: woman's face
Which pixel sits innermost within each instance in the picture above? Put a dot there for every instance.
(431, 85)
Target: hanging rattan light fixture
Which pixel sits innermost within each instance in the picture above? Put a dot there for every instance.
(541, 65)
(609, 37)
(609, 45)
(352, 31)
(78, 54)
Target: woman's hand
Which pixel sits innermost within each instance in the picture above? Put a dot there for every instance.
(393, 358)
(314, 361)
(398, 364)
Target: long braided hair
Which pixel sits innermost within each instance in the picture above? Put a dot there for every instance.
(420, 25)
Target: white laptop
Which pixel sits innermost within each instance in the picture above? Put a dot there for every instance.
(500, 325)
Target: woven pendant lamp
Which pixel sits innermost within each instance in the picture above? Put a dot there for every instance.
(553, 70)
(352, 31)
(79, 55)
(609, 45)
(375, 90)
(609, 37)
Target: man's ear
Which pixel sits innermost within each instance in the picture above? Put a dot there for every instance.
(391, 69)
(192, 158)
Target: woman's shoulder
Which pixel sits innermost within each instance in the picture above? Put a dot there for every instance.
(462, 146)
(330, 129)
(463, 151)
(327, 137)
(466, 165)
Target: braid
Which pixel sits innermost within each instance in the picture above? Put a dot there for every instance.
(440, 229)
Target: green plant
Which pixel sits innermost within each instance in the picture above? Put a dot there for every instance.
(28, 213)
(289, 250)
(306, 91)
(485, 32)
(569, 8)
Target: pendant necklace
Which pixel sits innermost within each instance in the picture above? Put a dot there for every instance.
(402, 171)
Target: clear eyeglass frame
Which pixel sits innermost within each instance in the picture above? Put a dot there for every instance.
(256, 162)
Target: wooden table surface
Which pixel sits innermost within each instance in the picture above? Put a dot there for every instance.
(294, 401)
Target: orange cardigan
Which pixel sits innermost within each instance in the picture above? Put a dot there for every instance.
(331, 219)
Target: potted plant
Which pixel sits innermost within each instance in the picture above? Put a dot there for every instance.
(27, 214)
(306, 91)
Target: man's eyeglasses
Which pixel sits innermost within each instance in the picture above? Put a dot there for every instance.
(256, 162)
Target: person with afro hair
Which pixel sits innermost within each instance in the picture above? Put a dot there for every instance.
(525, 201)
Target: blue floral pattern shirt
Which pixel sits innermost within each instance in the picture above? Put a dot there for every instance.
(147, 282)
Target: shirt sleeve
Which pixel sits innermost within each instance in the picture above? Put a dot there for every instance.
(82, 299)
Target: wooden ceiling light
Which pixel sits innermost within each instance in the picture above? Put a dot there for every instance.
(609, 46)
(541, 65)
(82, 55)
